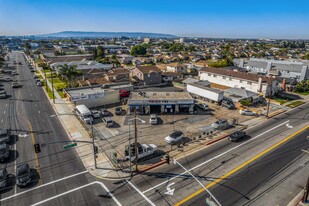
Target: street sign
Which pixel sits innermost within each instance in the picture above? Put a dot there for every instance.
(68, 146)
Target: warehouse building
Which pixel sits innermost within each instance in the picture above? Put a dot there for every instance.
(161, 102)
(203, 91)
(93, 96)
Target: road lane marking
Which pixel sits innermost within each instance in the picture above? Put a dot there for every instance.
(4, 112)
(220, 155)
(242, 165)
(39, 111)
(40, 186)
(142, 194)
(6, 105)
(78, 188)
(2, 121)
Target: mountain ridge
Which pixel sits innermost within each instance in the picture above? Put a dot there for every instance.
(84, 34)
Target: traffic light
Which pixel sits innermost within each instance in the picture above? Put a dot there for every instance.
(37, 148)
(96, 150)
(167, 158)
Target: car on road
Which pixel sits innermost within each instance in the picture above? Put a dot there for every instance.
(221, 124)
(32, 70)
(23, 175)
(236, 136)
(108, 121)
(227, 104)
(204, 107)
(8, 79)
(104, 112)
(95, 114)
(39, 83)
(5, 136)
(15, 85)
(3, 178)
(153, 119)
(174, 137)
(3, 94)
(247, 112)
(4, 152)
(35, 76)
(14, 73)
(118, 110)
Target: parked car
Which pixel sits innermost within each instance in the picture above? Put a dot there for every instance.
(236, 136)
(5, 136)
(32, 70)
(4, 151)
(15, 85)
(204, 107)
(14, 73)
(23, 175)
(3, 94)
(143, 150)
(227, 104)
(95, 114)
(3, 178)
(118, 110)
(220, 124)
(108, 121)
(35, 76)
(124, 93)
(247, 112)
(104, 112)
(174, 137)
(153, 119)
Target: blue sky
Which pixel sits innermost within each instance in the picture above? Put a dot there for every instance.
(202, 18)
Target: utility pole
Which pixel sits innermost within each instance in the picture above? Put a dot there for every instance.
(52, 76)
(271, 92)
(135, 138)
(45, 78)
(93, 145)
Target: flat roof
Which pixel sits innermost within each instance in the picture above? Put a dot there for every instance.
(87, 91)
(160, 95)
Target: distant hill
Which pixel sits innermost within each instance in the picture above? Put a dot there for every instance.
(82, 34)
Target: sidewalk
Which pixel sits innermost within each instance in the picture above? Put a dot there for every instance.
(76, 131)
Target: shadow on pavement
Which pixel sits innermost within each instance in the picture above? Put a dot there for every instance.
(10, 183)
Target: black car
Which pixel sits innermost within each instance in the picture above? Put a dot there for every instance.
(236, 136)
(4, 151)
(5, 136)
(23, 175)
(3, 178)
(118, 110)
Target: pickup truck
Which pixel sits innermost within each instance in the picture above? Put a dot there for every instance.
(144, 150)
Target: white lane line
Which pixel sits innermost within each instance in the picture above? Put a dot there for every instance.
(39, 111)
(36, 105)
(6, 105)
(2, 121)
(142, 194)
(4, 112)
(78, 188)
(52, 182)
(220, 155)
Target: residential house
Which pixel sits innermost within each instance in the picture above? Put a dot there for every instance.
(118, 75)
(147, 74)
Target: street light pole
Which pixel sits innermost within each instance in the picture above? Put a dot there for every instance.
(93, 145)
(135, 138)
(53, 91)
(271, 91)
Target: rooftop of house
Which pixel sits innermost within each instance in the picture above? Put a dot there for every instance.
(236, 74)
(148, 69)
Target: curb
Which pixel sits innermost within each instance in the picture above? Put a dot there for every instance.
(276, 113)
(153, 166)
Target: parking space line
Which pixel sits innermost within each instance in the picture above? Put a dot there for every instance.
(49, 183)
(142, 194)
(78, 188)
(220, 155)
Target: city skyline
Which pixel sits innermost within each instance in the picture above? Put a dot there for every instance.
(263, 19)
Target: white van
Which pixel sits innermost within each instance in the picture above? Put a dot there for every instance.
(84, 113)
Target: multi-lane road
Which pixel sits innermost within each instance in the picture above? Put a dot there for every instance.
(28, 112)
(267, 167)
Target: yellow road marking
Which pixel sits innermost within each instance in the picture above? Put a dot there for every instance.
(241, 166)
(37, 164)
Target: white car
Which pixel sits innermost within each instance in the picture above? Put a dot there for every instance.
(174, 137)
(153, 119)
(247, 112)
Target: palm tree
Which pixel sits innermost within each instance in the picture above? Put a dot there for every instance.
(69, 73)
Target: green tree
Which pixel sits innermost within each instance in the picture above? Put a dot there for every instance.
(69, 73)
(245, 102)
(306, 56)
(100, 53)
(138, 50)
(176, 47)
